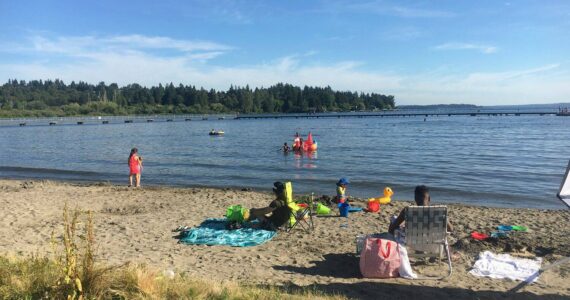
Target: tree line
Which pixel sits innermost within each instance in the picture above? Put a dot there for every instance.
(55, 98)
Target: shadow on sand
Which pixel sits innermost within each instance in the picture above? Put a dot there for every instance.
(345, 266)
(341, 265)
(384, 289)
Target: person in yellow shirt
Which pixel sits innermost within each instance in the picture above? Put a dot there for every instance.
(341, 186)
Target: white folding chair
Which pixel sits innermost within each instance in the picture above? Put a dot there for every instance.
(426, 232)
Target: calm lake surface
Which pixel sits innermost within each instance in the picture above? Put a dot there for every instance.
(506, 161)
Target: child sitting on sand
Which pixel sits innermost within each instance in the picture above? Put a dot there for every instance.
(422, 198)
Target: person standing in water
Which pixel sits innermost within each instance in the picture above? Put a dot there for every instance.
(135, 166)
(297, 142)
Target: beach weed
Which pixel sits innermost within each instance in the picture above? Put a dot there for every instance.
(72, 273)
(29, 278)
(34, 277)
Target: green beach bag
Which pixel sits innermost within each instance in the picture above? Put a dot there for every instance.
(235, 213)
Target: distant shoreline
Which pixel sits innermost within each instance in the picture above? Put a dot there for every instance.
(407, 111)
(36, 114)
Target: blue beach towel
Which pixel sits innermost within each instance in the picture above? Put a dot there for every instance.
(214, 232)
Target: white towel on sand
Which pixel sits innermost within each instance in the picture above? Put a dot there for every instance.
(505, 266)
(405, 267)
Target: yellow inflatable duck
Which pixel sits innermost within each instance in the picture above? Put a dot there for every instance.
(383, 200)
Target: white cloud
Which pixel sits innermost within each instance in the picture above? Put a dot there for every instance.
(476, 78)
(544, 84)
(405, 33)
(409, 12)
(159, 42)
(127, 59)
(384, 8)
(486, 49)
(138, 59)
(89, 46)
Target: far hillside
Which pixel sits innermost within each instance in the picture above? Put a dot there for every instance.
(459, 107)
(49, 98)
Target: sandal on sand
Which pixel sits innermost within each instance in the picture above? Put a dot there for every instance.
(504, 228)
(499, 234)
(180, 228)
(479, 236)
(519, 228)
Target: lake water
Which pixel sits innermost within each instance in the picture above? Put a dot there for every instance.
(486, 160)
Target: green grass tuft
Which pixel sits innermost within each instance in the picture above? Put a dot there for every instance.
(72, 273)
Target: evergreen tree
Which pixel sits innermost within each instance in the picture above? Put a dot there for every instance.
(55, 98)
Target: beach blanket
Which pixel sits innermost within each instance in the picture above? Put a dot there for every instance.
(505, 266)
(214, 232)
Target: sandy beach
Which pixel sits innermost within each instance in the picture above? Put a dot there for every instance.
(135, 225)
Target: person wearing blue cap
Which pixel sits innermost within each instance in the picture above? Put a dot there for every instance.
(341, 190)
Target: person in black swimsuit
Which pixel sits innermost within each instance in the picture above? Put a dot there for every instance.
(278, 208)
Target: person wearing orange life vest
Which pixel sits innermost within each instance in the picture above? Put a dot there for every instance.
(297, 142)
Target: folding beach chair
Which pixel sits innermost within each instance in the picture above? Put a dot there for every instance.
(302, 216)
(426, 232)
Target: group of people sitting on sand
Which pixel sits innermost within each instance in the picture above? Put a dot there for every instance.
(277, 213)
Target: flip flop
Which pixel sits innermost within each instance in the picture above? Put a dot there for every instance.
(519, 228)
(180, 228)
(504, 228)
(479, 236)
(499, 234)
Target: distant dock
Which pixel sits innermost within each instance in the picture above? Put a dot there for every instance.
(395, 114)
(563, 112)
(95, 120)
(91, 120)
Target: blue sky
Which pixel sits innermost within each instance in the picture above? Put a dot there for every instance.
(480, 52)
